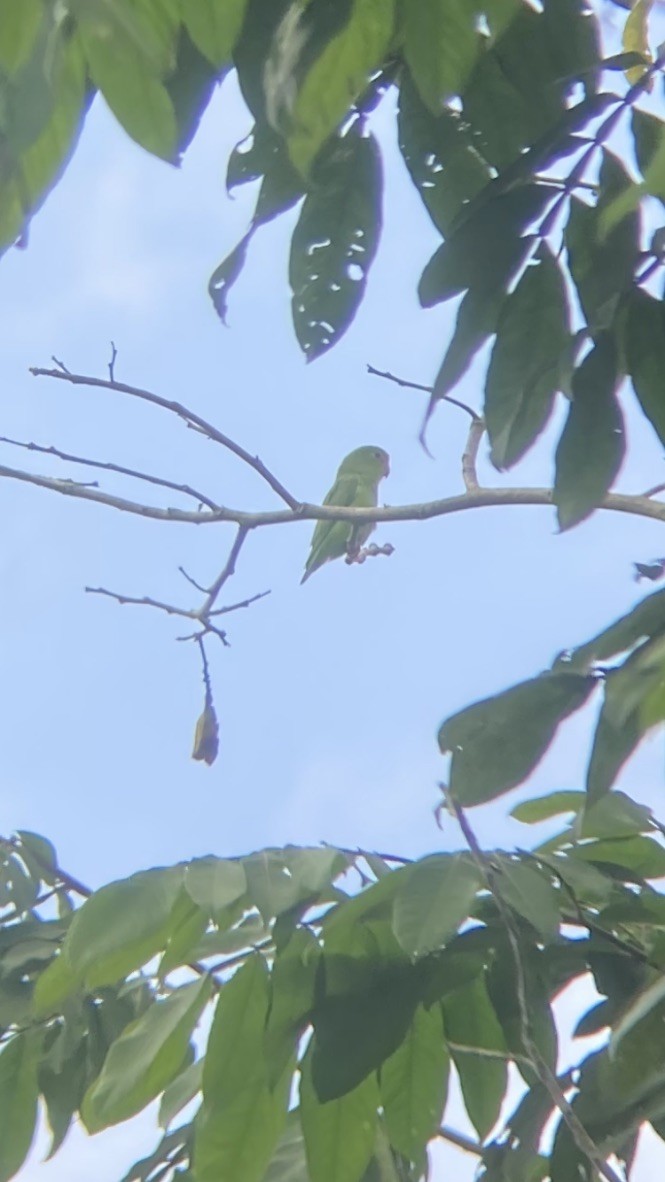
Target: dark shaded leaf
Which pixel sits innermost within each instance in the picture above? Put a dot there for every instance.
(335, 241)
(602, 265)
(487, 247)
(533, 331)
(645, 354)
(444, 163)
(496, 743)
(592, 444)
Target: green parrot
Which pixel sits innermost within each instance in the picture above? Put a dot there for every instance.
(356, 483)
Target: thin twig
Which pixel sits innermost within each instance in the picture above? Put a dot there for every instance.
(470, 454)
(482, 498)
(391, 377)
(114, 354)
(171, 609)
(183, 412)
(186, 489)
(540, 1066)
(226, 573)
(651, 492)
(203, 590)
(233, 607)
(459, 1140)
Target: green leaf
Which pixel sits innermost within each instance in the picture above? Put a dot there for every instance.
(127, 72)
(470, 1022)
(291, 999)
(122, 926)
(503, 987)
(414, 1084)
(145, 1058)
(641, 855)
(53, 986)
(39, 853)
(18, 1101)
(339, 1135)
(180, 1092)
(289, 1163)
(19, 26)
(242, 1116)
(635, 38)
(445, 164)
(62, 1092)
(270, 884)
(497, 743)
(616, 815)
(188, 923)
(602, 259)
(214, 26)
(649, 999)
(322, 60)
(629, 711)
(29, 179)
(592, 444)
(541, 808)
(358, 1025)
(645, 353)
(215, 883)
(524, 372)
(645, 621)
(531, 895)
(335, 241)
(433, 901)
(476, 320)
(441, 47)
(486, 248)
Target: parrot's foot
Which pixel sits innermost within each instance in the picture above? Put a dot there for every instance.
(370, 551)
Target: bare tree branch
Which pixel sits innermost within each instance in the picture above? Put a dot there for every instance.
(470, 454)
(183, 412)
(185, 489)
(482, 498)
(391, 377)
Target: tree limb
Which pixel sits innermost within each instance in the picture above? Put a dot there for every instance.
(482, 498)
(183, 412)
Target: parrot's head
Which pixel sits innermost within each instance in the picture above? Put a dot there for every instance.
(371, 463)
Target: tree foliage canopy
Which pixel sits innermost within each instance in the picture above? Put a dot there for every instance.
(343, 986)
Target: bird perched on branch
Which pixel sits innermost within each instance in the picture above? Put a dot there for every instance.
(356, 484)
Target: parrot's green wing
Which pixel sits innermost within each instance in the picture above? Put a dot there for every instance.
(331, 538)
(356, 484)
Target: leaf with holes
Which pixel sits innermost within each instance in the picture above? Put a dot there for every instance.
(335, 241)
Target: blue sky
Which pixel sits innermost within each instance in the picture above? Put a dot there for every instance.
(331, 694)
